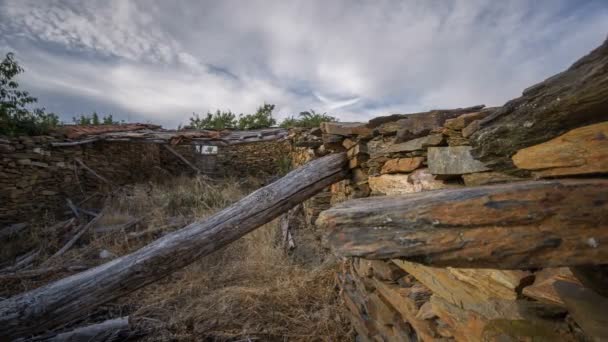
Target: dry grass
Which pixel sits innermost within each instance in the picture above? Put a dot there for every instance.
(250, 290)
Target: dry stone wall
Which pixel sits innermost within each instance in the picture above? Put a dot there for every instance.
(36, 179)
(401, 300)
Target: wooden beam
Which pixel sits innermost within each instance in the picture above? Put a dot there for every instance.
(180, 157)
(84, 166)
(75, 143)
(70, 298)
(508, 226)
(574, 98)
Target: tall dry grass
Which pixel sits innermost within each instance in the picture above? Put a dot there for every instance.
(250, 290)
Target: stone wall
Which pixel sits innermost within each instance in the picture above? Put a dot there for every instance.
(36, 179)
(399, 300)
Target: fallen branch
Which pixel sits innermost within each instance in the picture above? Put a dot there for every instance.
(23, 261)
(73, 208)
(69, 298)
(84, 166)
(180, 157)
(12, 230)
(41, 272)
(74, 239)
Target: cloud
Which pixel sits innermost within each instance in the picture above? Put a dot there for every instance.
(163, 60)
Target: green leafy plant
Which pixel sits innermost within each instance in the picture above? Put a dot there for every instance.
(217, 121)
(307, 119)
(15, 117)
(262, 118)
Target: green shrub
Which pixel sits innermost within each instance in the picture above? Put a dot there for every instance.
(217, 121)
(307, 119)
(15, 118)
(262, 118)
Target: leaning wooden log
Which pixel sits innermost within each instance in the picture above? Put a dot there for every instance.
(68, 299)
(91, 171)
(74, 239)
(574, 98)
(182, 158)
(508, 226)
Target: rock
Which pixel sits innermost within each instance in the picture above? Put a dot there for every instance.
(488, 177)
(426, 312)
(398, 297)
(398, 184)
(415, 144)
(520, 225)
(471, 128)
(589, 309)
(542, 289)
(454, 138)
(453, 160)
(348, 143)
(582, 150)
(402, 165)
(464, 120)
(5, 148)
(356, 150)
(410, 126)
(469, 325)
(467, 287)
(345, 128)
(573, 98)
(386, 270)
(105, 254)
(357, 161)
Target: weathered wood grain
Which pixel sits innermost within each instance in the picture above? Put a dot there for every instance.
(69, 298)
(507, 226)
(574, 98)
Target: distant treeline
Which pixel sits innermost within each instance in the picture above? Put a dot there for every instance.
(17, 118)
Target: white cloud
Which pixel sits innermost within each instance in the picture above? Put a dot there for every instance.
(355, 60)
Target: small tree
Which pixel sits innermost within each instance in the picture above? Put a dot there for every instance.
(217, 121)
(261, 119)
(15, 118)
(307, 119)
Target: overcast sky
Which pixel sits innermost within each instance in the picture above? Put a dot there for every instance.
(160, 61)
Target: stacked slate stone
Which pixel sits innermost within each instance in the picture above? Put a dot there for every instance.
(479, 223)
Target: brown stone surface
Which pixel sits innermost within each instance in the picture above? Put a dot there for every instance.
(510, 226)
(467, 287)
(410, 126)
(399, 184)
(488, 177)
(402, 165)
(542, 289)
(471, 128)
(464, 120)
(345, 128)
(582, 150)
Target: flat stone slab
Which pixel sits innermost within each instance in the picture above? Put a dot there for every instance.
(453, 160)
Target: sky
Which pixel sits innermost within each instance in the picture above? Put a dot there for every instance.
(159, 61)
